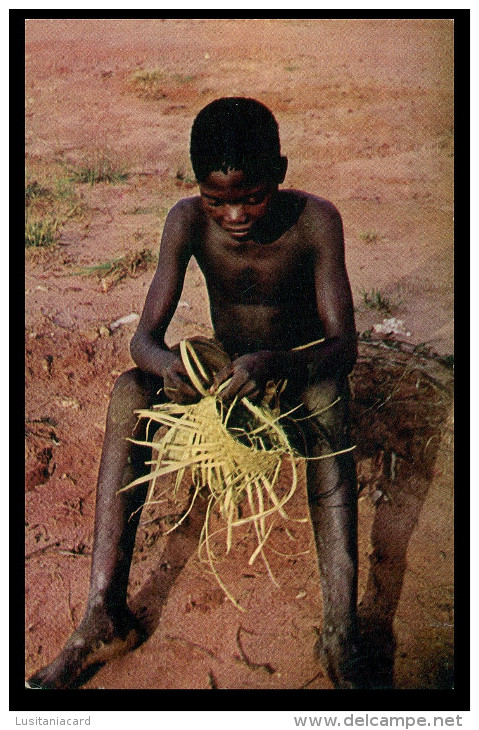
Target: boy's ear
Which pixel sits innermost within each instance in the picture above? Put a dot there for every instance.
(282, 167)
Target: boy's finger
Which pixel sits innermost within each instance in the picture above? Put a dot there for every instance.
(229, 392)
(220, 378)
(236, 384)
(180, 396)
(179, 369)
(175, 382)
(249, 390)
(244, 388)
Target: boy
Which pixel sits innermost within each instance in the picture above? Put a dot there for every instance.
(273, 261)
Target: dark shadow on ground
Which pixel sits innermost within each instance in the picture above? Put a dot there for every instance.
(399, 412)
(176, 548)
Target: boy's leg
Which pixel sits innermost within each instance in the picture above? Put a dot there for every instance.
(108, 627)
(332, 496)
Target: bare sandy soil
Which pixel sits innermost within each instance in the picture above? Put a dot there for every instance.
(365, 112)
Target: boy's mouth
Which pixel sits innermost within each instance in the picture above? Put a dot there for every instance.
(238, 232)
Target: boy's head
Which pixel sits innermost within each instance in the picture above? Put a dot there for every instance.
(236, 133)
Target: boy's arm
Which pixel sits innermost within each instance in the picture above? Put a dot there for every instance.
(338, 353)
(148, 348)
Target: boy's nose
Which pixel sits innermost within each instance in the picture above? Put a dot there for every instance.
(235, 214)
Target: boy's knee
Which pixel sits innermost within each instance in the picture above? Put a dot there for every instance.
(134, 383)
(132, 391)
(125, 398)
(127, 384)
(327, 403)
(319, 396)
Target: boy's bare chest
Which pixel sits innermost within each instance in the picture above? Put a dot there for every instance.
(252, 272)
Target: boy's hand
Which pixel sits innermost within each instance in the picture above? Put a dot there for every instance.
(249, 375)
(177, 384)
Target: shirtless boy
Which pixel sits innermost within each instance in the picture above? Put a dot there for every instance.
(273, 261)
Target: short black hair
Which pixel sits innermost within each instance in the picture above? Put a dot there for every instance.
(235, 133)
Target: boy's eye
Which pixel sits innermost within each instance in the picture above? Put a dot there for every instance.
(250, 200)
(256, 199)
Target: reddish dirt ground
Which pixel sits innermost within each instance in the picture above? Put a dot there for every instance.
(365, 113)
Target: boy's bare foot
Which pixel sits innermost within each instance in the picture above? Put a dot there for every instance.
(99, 638)
(342, 661)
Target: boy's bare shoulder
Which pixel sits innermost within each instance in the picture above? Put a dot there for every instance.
(316, 208)
(183, 225)
(319, 222)
(186, 209)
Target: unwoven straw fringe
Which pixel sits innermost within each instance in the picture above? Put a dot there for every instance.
(202, 438)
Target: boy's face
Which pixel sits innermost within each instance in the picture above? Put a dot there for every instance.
(234, 203)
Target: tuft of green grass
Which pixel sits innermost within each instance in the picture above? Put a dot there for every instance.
(158, 210)
(35, 191)
(49, 202)
(185, 179)
(448, 361)
(99, 167)
(152, 84)
(113, 271)
(147, 84)
(40, 233)
(183, 78)
(369, 236)
(376, 299)
(63, 189)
